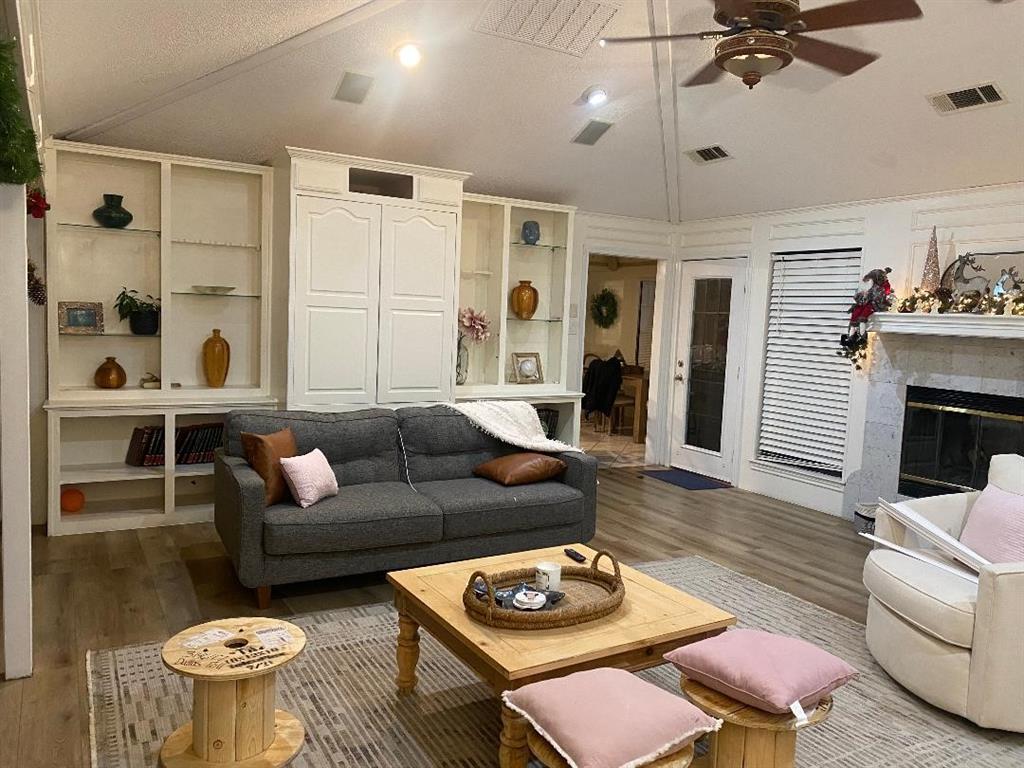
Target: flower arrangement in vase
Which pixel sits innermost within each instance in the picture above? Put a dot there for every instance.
(474, 327)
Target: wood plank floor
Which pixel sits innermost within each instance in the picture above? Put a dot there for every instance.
(112, 589)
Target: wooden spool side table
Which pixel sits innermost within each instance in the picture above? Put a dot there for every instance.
(749, 736)
(233, 664)
(542, 750)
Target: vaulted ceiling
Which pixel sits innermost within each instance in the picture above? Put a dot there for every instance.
(239, 79)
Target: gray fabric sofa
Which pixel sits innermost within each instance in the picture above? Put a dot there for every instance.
(407, 497)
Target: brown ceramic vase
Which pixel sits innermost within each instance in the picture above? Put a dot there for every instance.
(216, 359)
(110, 375)
(524, 300)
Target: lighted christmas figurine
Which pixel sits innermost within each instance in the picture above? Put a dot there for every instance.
(874, 295)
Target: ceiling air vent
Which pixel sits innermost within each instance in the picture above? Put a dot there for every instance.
(566, 26)
(591, 132)
(968, 98)
(708, 155)
(354, 87)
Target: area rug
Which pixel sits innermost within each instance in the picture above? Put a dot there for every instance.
(691, 481)
(342, 689)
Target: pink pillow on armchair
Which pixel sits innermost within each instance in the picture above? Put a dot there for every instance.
(309, 477)
(609, 718)
(995, 526)
(766, 671)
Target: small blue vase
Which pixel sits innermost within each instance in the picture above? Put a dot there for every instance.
(531, 232)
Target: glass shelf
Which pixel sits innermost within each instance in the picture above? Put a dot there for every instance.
(535, 319)
(538, 246)
(107, 335)
(217, 295)
(153, 232)
(186, 241)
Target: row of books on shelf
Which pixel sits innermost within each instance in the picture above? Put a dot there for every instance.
(193, 444)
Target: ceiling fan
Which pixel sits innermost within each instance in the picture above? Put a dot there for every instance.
(764, 36)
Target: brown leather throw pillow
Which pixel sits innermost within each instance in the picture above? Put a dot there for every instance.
(521, 468)
(264, 454)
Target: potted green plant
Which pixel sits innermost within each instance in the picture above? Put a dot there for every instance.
(142, 313)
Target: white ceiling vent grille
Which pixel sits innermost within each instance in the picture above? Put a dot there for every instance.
(566, 26)
(987, 95)
(353, 88)
(707, 155)
(591, 132)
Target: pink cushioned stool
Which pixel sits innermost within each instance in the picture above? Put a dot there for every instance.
(601, 718)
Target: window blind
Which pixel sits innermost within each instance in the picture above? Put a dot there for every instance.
(645, 325)
(806, 394)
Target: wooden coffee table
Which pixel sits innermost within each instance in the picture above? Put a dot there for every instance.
(653, 619)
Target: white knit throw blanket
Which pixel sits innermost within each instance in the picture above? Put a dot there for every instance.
(512, 421)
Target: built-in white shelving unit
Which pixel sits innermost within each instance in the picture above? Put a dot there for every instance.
(494, 259)
(195, 223)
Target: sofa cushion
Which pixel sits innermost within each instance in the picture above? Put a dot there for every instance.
(361, 446)
(442, 444)
(473, 506)
(521, 468)
(264, 454)
(936, 601)
(364, 516)
(995, 526)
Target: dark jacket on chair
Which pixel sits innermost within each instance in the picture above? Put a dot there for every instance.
(601, 384)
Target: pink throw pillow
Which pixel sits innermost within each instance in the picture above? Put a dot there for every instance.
(309, 477)
(995, 526)
(608, 718)
(766, 671)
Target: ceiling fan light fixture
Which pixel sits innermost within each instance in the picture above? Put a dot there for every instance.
(752, 55)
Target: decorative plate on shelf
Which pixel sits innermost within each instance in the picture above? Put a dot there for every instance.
(216, 290)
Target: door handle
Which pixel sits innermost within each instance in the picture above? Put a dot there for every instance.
(678, 377)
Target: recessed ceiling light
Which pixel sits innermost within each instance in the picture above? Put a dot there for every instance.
(595, 96)
(409, 55)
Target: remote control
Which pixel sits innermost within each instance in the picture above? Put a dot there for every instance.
(574, 555)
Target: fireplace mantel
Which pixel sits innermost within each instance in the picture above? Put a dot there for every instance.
(953, 324)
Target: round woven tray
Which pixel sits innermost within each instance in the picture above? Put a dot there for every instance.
(590, 594)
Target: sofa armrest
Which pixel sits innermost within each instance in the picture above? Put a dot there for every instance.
(581, 474)
(996, 689)
(948, 512)
(239, 503)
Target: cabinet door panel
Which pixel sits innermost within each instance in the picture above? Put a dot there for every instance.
(417, 306)
(335, 296)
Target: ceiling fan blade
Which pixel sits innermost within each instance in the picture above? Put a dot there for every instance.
(655, 38)
(855, 12)
(705, 76)
(838, 58)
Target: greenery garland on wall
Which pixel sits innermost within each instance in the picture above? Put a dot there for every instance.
(19, 163)
(604, 308)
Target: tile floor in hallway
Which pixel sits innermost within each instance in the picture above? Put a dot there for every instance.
(611, 450)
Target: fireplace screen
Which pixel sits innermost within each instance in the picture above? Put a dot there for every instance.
(950, 437)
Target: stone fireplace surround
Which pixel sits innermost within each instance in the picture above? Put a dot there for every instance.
(993, 366)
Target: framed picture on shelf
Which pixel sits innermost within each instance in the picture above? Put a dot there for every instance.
(80, 317)
(526, 368)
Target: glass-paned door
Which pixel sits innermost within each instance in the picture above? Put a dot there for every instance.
(709, 350)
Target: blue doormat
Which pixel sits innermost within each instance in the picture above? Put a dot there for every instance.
(691, 481)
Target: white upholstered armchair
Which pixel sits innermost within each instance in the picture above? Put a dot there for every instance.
(956, 644)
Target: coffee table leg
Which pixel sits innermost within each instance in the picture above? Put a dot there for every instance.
(513, 752)
(408, 654)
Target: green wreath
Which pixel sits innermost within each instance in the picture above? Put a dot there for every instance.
(604, 308)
